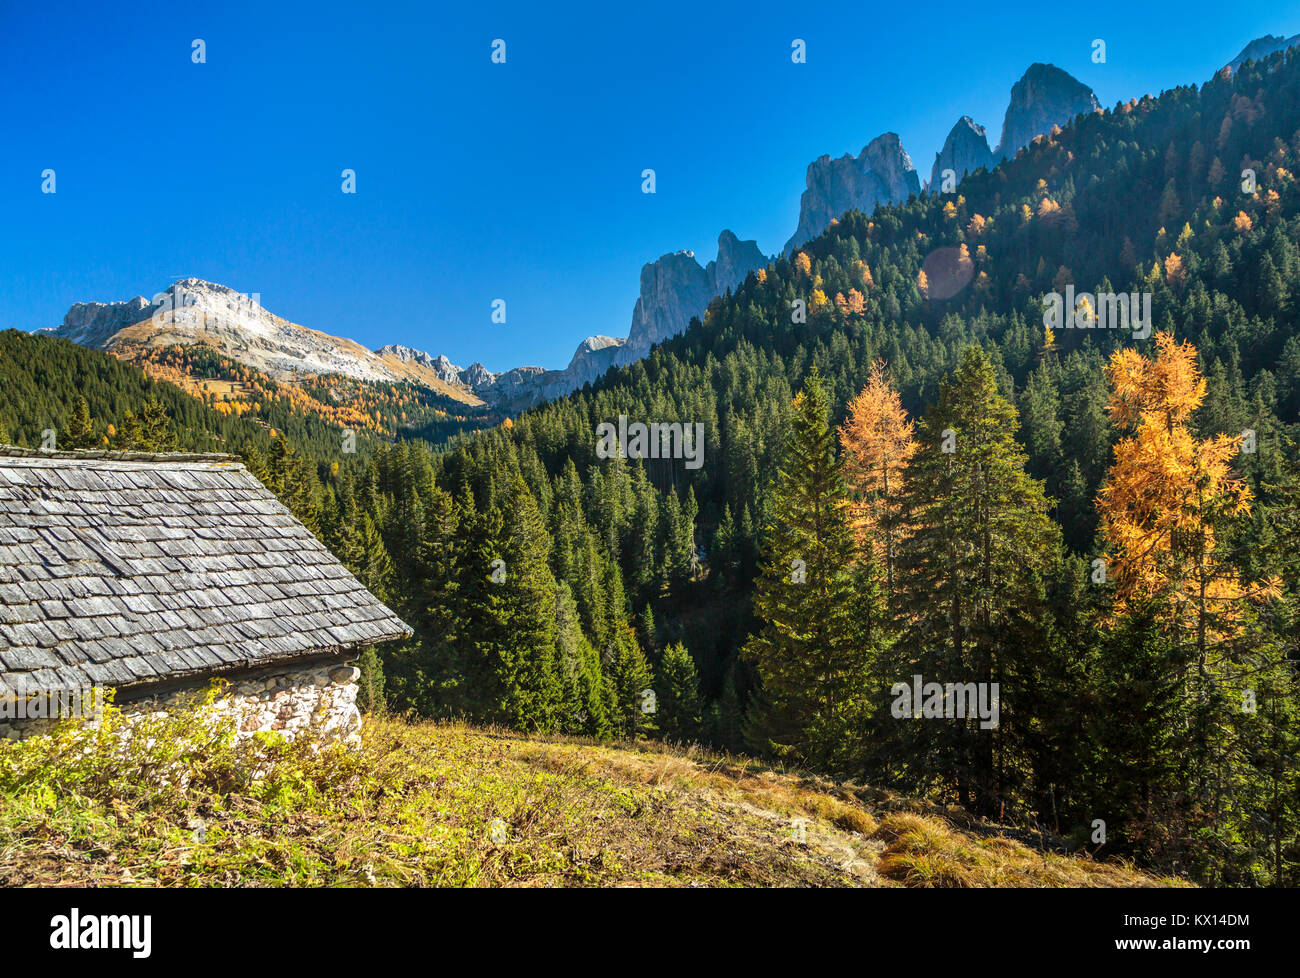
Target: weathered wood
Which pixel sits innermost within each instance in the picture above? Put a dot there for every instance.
(135, 568)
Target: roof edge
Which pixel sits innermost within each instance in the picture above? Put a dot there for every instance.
(97, 454)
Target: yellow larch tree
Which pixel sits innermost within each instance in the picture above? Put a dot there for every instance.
(1168, 495)
(878, 443)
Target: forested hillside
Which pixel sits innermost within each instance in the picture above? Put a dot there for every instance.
(904, 474)
(1159, 699)
(202, 400)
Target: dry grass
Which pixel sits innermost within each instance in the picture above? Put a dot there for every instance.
(452, 805)
(924, 851)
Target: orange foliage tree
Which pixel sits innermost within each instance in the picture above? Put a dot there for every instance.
(878, 443)
(1168, 495)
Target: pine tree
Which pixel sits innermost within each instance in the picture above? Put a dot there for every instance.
(508, 638)
(584, 705)
(725, 557)
(971, 579)
(814, 648)
(649, 634)
(374, 568)
(630, 684)
(1138, 742)
(128, 433)
(155, 433)
(677, 689)
(370, 684)
(80, 432)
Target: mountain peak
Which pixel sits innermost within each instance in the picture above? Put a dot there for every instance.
(1045, 96)
(1262, 47)
(194, 311)
(964, 151)
(882, 173)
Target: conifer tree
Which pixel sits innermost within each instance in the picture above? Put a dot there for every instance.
(155, 433)
(584, 704)
(370, 684)
(1169, 495)
(813, 650)
(971, 579)
(630, 683)
(80, 432)
(509, 603)
(374, 568)
(649, 634)
(677, 689)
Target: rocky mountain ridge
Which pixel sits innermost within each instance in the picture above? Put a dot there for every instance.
(1043, 97)
(675, 287)
(194, 311)
(881, 174)
(1262, 47)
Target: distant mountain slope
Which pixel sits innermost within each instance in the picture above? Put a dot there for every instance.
(193, 311)
(426, 375)
(1262, 47)
(214, 403)
(516, 389)
(674, 288)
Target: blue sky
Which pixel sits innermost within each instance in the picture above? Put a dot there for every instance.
(478, 181)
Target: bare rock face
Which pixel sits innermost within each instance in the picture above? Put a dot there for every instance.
(736, 259)
(881, 174)
(193, 311)
(476, 375)
(675, 288)
(594, 356)
(964, 151)
(1261, 48)
(1044, 97)
(447, 371)
(92, 323)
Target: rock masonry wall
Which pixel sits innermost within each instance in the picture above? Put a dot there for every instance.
(320, 701)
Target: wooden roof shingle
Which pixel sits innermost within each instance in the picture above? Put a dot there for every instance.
(127, 568)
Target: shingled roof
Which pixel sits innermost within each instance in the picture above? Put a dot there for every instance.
(122, 569)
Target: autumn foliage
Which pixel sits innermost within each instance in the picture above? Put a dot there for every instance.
(1168, 491)
(878, 443)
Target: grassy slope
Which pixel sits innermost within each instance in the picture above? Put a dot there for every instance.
(416, 806)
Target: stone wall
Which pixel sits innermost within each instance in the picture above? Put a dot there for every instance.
(320, 700)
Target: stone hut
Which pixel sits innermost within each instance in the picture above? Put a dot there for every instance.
(154, 574)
